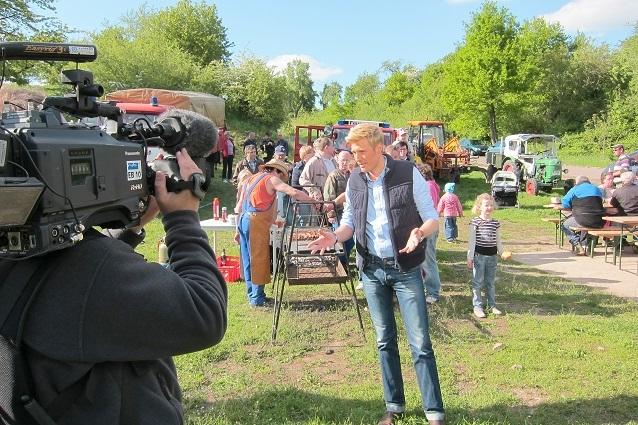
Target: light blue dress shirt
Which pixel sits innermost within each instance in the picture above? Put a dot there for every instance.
(378, 230)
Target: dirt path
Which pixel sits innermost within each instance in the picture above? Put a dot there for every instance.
(593, 173)
(540, 251)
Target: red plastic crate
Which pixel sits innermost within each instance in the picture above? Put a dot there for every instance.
(230, 270)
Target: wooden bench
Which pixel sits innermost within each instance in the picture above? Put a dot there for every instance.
(605, 233)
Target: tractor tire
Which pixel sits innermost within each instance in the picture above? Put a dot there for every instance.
(531, 187)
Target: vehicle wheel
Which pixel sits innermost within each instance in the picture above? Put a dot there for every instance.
(531, 187)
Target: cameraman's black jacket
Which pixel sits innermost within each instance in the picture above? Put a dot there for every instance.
(107, 322)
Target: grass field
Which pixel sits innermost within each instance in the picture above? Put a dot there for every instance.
(562, 353)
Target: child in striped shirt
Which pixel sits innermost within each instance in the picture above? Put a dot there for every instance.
(484, 245)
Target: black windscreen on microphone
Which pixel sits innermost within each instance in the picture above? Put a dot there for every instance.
(200, 136)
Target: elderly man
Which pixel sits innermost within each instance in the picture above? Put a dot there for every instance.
(389, 211)
(586, 203)
(318, 167)
(625, 198)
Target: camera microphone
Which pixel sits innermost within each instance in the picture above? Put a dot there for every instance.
(179, 129)
(198, 133)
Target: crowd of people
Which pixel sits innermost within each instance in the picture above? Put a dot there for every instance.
(616, 195)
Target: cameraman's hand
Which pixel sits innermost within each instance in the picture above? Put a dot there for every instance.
(184, 200)
(149, 214)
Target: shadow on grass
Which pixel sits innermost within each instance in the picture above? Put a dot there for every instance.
(296, 406)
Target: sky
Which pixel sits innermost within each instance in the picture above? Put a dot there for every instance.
(342, 39)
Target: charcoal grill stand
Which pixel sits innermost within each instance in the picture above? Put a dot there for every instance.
(295, 264)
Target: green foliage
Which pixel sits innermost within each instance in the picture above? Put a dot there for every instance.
(362, 91)
(482, 74)
(397, 89)
(300, 95)
(331, 94)
(256, 92)
(194, 27)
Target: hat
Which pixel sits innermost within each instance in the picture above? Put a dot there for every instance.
(400, 132)
(449, 187)
(618, 145)
(280, 149)
(278, 165)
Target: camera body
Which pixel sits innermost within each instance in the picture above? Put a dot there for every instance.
(93, 179)
(57, 178)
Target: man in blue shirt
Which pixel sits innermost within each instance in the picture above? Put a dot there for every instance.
(390, 212)
(586, 203)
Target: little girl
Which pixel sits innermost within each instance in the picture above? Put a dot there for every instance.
(484, 244)
(450, 207)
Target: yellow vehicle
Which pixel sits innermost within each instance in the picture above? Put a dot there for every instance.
(444, 155)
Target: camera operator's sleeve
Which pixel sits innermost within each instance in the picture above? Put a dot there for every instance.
(106, 303)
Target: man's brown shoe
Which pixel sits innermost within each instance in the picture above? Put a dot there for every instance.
(390, 418)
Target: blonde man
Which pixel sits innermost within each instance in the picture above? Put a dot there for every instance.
(389, 211)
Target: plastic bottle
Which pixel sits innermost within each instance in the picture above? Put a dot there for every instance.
(215, 209)
(223, 257)
(162, 253)
(224, 213)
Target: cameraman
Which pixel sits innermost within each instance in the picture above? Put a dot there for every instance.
(99, 335)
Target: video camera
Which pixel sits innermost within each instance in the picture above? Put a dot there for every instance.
(58, 179)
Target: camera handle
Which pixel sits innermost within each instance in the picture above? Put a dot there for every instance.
(198, 183)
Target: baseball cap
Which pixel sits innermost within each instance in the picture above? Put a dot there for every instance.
(618, 145)
(401, 132)
(280, 149)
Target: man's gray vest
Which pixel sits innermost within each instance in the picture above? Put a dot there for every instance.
(403, 215)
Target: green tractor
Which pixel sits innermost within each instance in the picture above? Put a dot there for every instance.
(533, 158)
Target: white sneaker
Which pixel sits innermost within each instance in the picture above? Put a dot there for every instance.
(430, 299)
(478, 312)
(359, 286)
(496, 311)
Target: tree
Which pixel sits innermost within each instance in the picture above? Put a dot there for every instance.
(482, 72)
(331, 94)
(194, 27)
(129, 62)
(362, 90)
(397, 89)
(299, 93)
(18, 18)
(21, 20)
(256, 93)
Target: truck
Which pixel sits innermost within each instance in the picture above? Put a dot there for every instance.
(533, 158)
(337, 133)
(432, 146)
(208, 105)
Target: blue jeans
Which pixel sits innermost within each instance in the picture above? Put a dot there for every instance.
(574, 238)
(432, 280)
(483, 274)
(255, 293)
(451, 230)
(380, 284)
